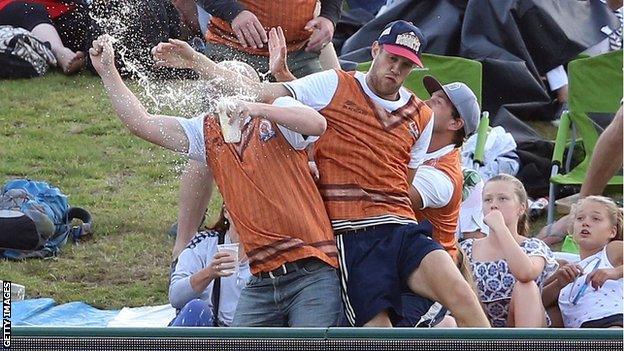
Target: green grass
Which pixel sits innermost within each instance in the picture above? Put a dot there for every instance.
(63, 130)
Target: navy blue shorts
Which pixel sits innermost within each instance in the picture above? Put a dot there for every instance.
(420, 312)
(375, 264)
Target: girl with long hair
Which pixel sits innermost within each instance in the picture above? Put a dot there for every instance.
(509, 268)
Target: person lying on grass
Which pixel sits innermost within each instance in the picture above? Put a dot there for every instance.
(588, 294)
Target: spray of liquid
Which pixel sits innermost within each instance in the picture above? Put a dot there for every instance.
(179, 97)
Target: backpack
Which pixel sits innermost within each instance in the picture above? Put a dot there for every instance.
(22, 55)
(35, 220)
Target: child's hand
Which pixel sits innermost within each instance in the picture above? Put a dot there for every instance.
(566, 274)
(103, 55)
(494, 220)
(598, 277)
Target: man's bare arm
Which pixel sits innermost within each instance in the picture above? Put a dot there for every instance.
(179, 54)
(161, 130)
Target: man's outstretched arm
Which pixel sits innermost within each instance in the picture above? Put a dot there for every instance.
(165, 131)
(179, 54)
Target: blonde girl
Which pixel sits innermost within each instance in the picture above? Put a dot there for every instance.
(508, 267)
(589, 293)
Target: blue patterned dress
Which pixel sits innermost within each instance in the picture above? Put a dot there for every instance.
(495, 282)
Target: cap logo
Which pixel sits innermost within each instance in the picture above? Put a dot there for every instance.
(453, 86)
(386, 31)
(409, 40)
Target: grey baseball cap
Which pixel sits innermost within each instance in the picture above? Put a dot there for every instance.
(461, 97)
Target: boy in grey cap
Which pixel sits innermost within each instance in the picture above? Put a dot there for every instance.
(436, 191)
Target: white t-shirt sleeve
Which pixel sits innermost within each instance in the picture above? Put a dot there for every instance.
(434, 186)
(194, 129)
(295, 139)
(419, 150)
(315, 90)
(557, 77)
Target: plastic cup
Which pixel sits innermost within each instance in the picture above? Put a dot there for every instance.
(232, 250)
(18, 292)
(231, 132)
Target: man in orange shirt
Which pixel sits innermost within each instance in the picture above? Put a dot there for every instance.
(377, 135)
(436, 191)
(238, 30)
(272, 199)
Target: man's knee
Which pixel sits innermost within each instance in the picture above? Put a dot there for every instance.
(194, 306)
(459, 294)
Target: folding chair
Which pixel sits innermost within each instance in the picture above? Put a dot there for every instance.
(483, 130)
(595, 86)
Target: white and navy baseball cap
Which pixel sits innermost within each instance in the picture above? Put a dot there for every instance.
(403, 39)
(462, 97)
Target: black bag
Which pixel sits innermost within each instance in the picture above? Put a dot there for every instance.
(22, 55)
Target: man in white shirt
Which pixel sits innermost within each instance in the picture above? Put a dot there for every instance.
(292, 257)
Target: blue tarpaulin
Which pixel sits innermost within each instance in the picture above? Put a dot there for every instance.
(45, 312)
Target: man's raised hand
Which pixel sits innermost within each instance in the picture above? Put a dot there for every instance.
(277, 55)
(174, 53)
(103, 55)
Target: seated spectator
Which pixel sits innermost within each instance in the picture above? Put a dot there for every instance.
(508, 267)
(588, 294)
(557, 77)
(194, 274)
(51, 21)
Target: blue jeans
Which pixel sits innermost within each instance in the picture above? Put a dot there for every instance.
(307, 297)
(196, 313)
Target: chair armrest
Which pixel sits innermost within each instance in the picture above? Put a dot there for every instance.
(482, 134)
(562, 139)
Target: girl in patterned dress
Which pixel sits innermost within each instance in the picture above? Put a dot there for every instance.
(589, 293)
(508, 267)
